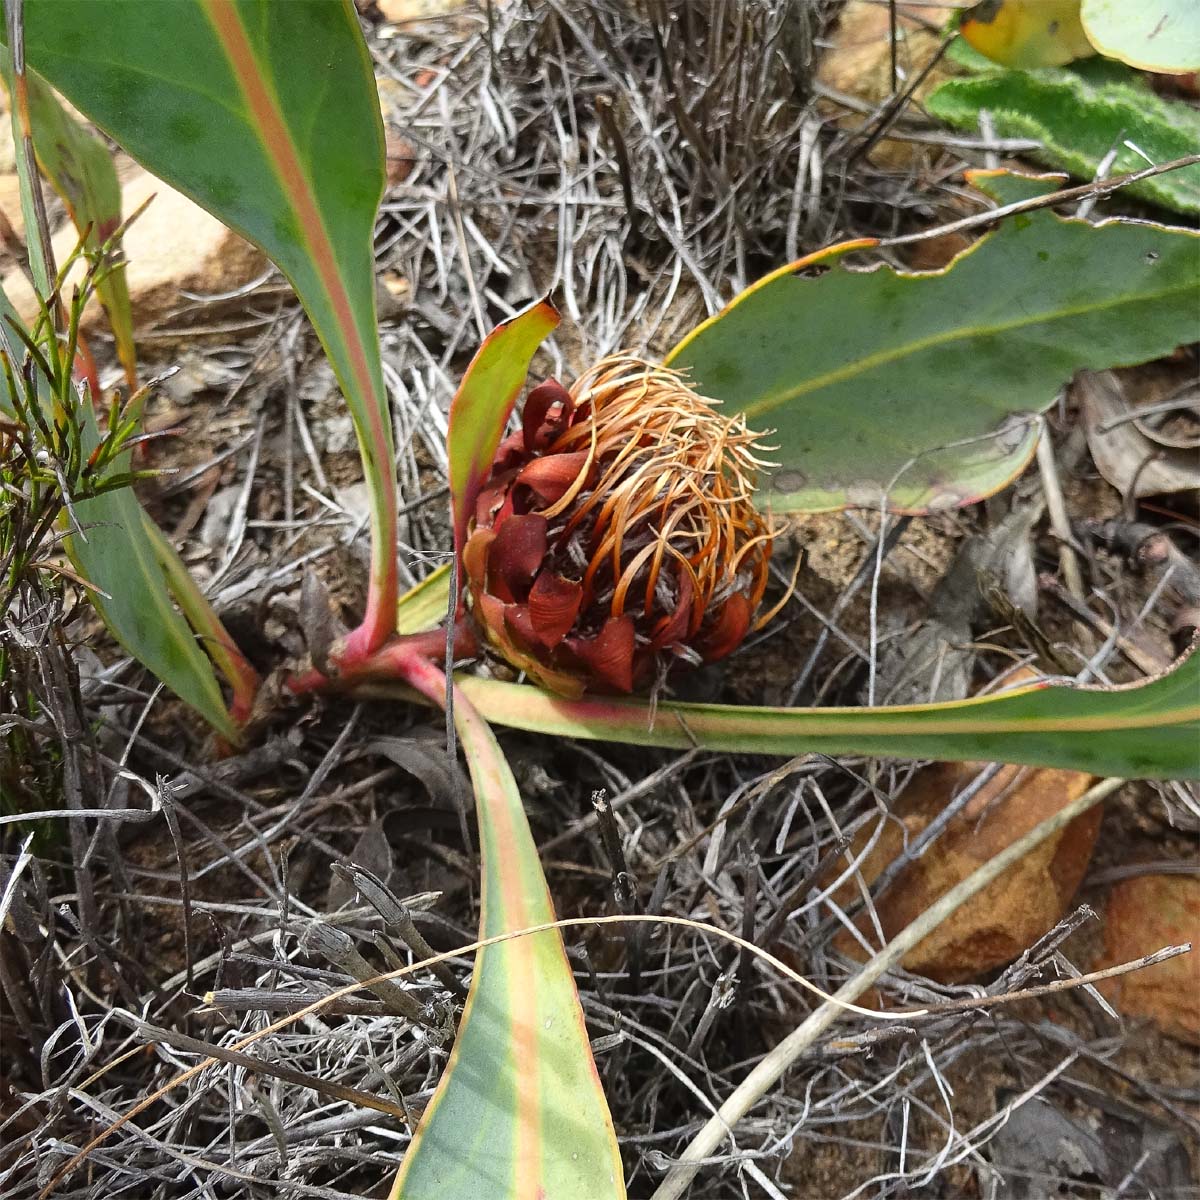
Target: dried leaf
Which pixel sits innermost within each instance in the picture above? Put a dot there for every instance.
(428, 761)
(1124, 450)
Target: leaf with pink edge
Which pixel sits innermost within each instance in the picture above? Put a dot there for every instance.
(922, 390)
(484, 400)
(519, 1112)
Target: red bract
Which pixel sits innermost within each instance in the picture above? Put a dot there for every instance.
(616, 534)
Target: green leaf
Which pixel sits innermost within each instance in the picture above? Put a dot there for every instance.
(81, 169)
(202, 617)
(40, 270)
(921, 388)
(266, 114)
(1155, 35)
(518, 1112)
(1148, 731)
(10, 319)
(117, 557)
(424, 606)
(484, 400)
(1078, 121)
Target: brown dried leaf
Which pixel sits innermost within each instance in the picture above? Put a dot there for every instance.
(1133, 455)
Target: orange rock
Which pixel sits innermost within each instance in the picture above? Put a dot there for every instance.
(1015, 909)
(1145, 914)
(401, 153)
(397, 11)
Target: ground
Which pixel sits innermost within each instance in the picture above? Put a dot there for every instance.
(124, 937)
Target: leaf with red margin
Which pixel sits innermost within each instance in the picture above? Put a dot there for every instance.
(1144, 731)
(922, 389)
(267, 115)
(483, 402)
(519, 1112)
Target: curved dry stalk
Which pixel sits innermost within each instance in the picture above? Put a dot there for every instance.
(767, 1073)
(784, 1054)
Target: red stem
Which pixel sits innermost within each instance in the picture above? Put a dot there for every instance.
(394, 661)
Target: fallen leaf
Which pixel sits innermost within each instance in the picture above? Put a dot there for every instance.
(859, 62)
(1145, 914)
(1027, 33)
(1037, 1143)
(427, 760)
(1135, 454)
(372, 851)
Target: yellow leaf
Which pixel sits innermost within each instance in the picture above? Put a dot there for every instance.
(1027, 33)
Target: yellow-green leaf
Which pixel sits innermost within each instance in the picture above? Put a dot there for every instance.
(114, 552)
(1149, 731)
(519, 1113)
(1155, 35)
(1027, 33)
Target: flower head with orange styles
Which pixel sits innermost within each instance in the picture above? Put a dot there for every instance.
(616, 534)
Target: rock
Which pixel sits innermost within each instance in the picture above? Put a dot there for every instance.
(401, 153)
(218, 515)
(859, 63)
(174, 245)
(336, 434)
(1015, 909)
(1145, 914)
(396, 11)
(10, 201)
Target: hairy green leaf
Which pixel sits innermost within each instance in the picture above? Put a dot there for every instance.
(518, 1112)
(1148, 731)
(267, 115)
(1079, 117)
(1156, 35)
(922, 390)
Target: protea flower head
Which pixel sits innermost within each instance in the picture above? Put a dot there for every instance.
(615, 535)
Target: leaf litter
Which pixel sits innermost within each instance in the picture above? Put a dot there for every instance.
(644, 232)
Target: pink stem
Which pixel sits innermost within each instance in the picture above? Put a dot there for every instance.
(378, 623)
(392, 661)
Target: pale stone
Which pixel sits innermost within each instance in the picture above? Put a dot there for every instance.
(174, 245)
